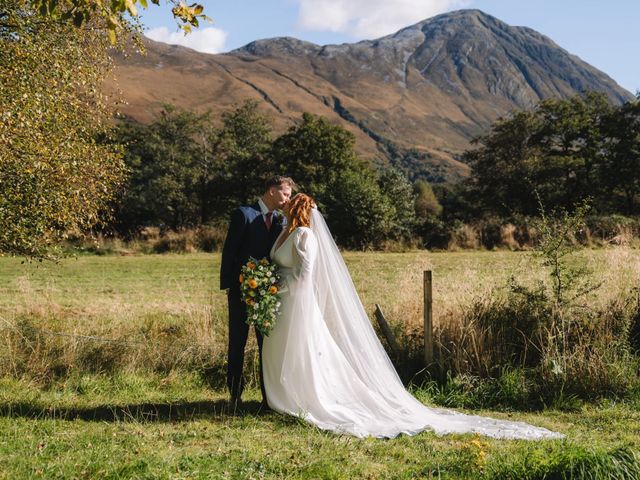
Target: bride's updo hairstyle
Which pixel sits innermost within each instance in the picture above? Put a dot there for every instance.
(299, 211)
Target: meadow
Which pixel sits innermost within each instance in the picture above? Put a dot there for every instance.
(113, 367)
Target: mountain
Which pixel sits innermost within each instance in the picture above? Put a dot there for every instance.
(430, 87)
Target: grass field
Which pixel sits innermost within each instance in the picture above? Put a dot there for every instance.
(130, 426)
(113, 288)
(173, 422)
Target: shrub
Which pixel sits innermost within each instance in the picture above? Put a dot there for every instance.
(463, 236)
(562, 348)
(615, 229)
(434, 233)
(184, 241)
(211, 237)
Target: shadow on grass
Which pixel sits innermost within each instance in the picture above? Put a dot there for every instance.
(141, 412)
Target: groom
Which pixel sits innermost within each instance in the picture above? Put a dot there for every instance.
(252, 231)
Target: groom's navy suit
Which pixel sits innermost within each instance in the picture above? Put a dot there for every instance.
(248, 236)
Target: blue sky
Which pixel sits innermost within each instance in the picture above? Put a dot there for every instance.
(603, 33)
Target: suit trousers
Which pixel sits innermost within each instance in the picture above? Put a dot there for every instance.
(238, 334)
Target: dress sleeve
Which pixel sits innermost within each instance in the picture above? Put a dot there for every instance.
(307, 249)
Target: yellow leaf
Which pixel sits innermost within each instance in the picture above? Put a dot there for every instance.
(113, 22)
(131, 7)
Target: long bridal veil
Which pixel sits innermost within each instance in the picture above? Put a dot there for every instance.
(354, 335)
(345, 316)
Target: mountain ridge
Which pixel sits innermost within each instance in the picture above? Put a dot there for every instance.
(430, 87)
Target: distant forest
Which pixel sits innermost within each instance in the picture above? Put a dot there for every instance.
(187, 171)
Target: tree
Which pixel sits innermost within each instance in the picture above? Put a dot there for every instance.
(112, 16)
(620, 169)
(570, 138)
(552, 152)
(55, 178)
(505, 166)
(185, 172)
(321, 158)
(426, 203)
(168, 175)
(315, 153)
(357, 211)
(395, 186)
(240, 153)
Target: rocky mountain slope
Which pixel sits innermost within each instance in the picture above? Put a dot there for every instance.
(430, 87)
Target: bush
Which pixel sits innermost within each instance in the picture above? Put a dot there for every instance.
(562, 349)
(358, 213)
(184, 241)
(211, 237)
(616, 229)
(434, 233)
(463, 236)
(491, 235)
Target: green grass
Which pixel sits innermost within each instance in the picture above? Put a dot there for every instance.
(134, 423)
(132, 426)
(99, 286)
(96, 284)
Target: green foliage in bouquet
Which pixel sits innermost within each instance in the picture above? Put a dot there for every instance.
(260, 287)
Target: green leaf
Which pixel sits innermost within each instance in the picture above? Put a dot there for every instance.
(144, 3)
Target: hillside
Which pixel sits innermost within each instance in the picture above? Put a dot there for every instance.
(431, 87)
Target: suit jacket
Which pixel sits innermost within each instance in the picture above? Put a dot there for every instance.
(247, 237)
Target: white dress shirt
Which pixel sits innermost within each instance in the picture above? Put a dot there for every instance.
(264, 209)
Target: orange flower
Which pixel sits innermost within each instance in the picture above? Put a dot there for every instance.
(252, 283)
(248, 301)
(264, 261)
(273, 289)
(241, 278)
(251, 266)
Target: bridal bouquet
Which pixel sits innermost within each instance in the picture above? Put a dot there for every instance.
(259, 286)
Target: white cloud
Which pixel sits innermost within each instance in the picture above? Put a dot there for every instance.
(369, 18)
(207, 40)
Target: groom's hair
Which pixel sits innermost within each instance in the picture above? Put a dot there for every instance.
(278, 181)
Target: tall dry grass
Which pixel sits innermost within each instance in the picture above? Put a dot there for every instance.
(490, 233)
(169, 316)
(485, 329)
(48, 344)
(205, 238)
(112, 314)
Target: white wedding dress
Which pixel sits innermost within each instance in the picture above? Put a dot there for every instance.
(324, 363)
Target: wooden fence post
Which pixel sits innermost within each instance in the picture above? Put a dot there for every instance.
(428, 317)
(386, 331)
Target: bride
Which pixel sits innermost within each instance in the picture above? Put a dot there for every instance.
(323, 361)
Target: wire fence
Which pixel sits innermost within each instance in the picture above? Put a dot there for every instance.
(10, 326)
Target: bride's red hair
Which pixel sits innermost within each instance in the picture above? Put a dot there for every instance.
(299, 211)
